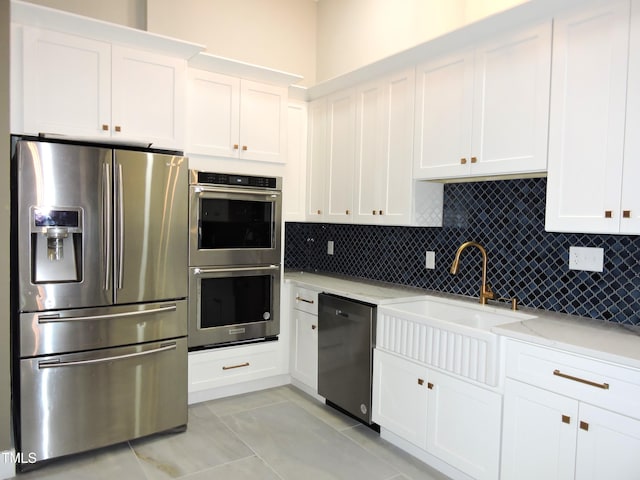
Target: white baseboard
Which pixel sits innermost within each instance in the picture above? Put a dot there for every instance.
(239, 388)
(423, 456)
(7, 464)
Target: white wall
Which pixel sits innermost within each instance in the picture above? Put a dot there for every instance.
(279, 34)
(131, 13)
(354, 33)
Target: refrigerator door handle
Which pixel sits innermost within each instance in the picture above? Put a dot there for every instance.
(120, 192)
(55, 318)
(55, 363)
(106, 225)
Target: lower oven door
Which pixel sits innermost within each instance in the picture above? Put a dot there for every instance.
(80, 401)
(233, 304)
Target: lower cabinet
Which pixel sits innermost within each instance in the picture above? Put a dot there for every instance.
(449, 418)
(568, 416)
(303, 313)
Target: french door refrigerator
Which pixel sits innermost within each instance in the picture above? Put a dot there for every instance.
(100, 319)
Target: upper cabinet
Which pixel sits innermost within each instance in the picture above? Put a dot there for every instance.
(484, 111)
(237, 110)
(593, 164)
(237, 118)
(89, 79)
(360, 150)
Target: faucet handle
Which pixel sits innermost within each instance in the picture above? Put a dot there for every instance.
(513, 301)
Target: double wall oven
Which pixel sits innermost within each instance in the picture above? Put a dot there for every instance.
(235, 224)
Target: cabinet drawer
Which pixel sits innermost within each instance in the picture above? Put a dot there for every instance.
(227, 366)
(611, 386)
(305, 300)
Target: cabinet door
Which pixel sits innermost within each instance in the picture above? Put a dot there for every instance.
(400, 397)
(341, 113)
(67, 84)
(463, 426)
(608, 445)
(586, 131)
(213, 114)
(317, 162)
(444, 101)
(293, 199)
(263, 122)
(397, 185)
(630, 204)
(305, 348)
(511, 103)
(149, 96)
(370, 175)
(539, 434)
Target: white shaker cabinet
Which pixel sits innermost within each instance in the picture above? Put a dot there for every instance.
(449, 418)
(236, 118)
(384, 144)
(304, 337)
(316, 159)
(82, 87)
(568, 416)
(484, 112)
(293, 202)
(591, 180)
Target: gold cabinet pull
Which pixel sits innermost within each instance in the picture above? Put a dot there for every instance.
(420, 381)
(474, 159)
(584, 426)
(105, 126)
(381, 212)
(626, 214)
(319, 212)
(230, 367)
(118, 128)
(236, 146)
(373, 212)
(430, 386)
(463, 161)
(558, 373)
(244, 148)
(313, 327)
(347, 212)
(300, 299)
(566, 419)
(608, 214)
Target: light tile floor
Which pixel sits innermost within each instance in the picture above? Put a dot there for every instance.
(279, 434)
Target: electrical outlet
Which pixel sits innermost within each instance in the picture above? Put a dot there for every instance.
(330, 247)
(430, 260)
(586, 258)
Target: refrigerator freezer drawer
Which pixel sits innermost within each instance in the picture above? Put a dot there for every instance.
(89, 328)
(77, 402)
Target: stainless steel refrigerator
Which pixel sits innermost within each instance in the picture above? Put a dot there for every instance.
(100, 318)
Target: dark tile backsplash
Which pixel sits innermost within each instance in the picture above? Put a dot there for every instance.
(507, 218)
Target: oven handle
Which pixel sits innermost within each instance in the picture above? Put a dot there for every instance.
(202, 191)
(205, 271)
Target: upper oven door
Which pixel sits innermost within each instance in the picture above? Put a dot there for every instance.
(234, 226)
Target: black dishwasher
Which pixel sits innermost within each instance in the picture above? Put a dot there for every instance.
(346, 337)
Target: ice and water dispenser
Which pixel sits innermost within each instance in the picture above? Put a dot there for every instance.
(56, 245)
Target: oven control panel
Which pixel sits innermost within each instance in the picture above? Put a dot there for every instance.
(228, 179)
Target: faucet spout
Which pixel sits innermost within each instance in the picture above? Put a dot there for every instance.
(485, 289)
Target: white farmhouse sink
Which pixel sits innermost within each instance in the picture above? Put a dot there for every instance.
(448, 334)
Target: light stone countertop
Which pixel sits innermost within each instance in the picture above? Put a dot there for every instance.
(611, 342)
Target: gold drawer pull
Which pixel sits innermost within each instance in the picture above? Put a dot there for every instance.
(105, 127)
(566, 419)
(558, 373)
(230, 367)
(584, 426)
(430, 386)
(420, 381)
(373, 212)
(244, 148)
(463, 161)
(313, 327)
(626, 214)
(381, 212)
(608, 214)
(347, 212)
(474, 160)
(236, 146)
(118, 128)
(300, 299)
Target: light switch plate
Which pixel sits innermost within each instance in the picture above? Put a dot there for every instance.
(589, 259)
(330, 247)
(430, 260)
